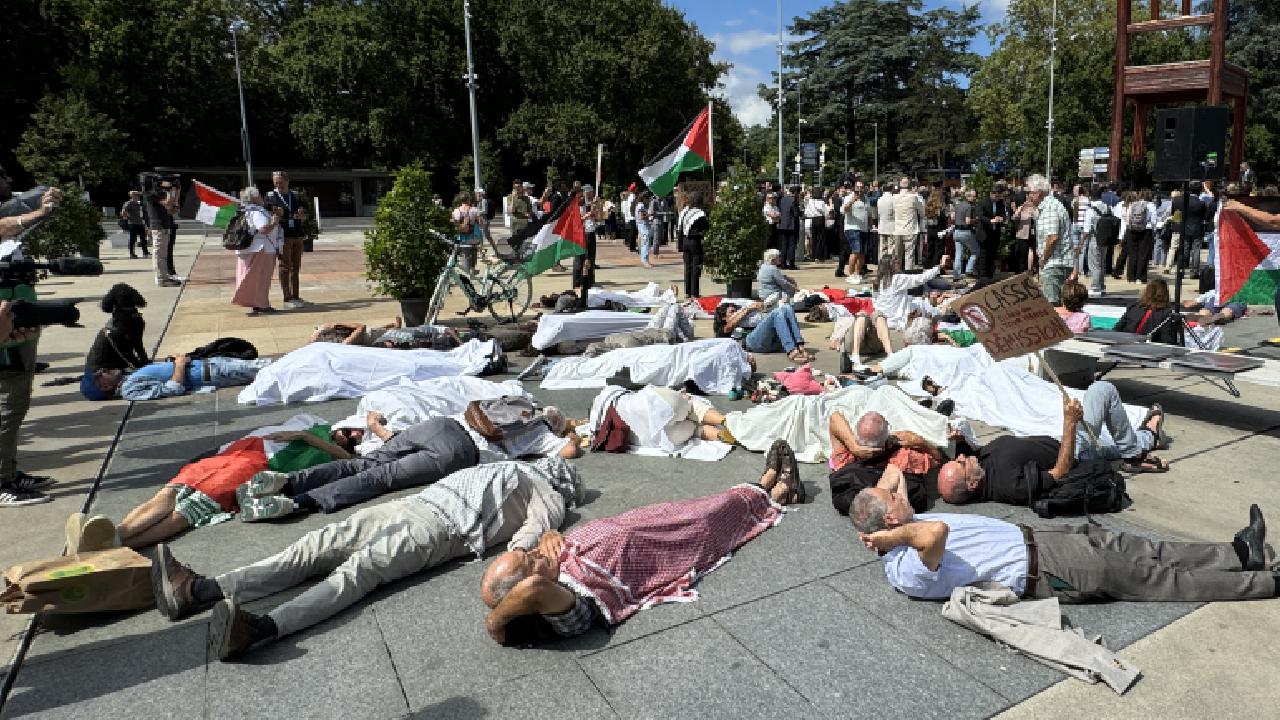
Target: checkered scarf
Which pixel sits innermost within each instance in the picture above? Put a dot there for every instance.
(654, 554)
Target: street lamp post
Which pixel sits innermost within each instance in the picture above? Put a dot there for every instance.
(244, 121)
(780, 178)
(471, 87)
(1053, 49)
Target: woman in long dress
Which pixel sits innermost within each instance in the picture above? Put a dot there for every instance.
(256, 264)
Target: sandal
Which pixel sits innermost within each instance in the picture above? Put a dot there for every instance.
(799, 356)
(771, 457)
(1146, 464)
(789, 476)
(1162, 440)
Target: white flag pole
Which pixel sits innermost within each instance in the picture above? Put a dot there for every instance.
(599, 168)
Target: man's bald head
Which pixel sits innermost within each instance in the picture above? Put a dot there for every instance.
(960, 479)
(872, 430)
(504, 573)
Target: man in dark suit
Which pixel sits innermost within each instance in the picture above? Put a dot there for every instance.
(789, 226)
(993, 218)
(1193, 234)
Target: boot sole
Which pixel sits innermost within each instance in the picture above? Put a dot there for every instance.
(220, 630)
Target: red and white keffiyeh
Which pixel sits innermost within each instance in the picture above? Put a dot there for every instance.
(654, 554)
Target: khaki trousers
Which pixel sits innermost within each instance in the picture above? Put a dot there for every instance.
(290, 259)
(15, 400)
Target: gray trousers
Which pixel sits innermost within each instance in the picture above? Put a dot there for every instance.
(1103, 409)
(1100, 564)
(15, 401)
(160, 252)
(376, 545)
(419, 455)
(639, 338)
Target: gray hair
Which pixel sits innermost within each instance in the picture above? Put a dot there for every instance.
(919, 332)
(1038, 183)
(251, 195)
(499, 588)
(770, 254)
(868, 512)
(872, 430)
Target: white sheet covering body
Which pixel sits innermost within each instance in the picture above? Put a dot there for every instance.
(409, 403)
(1002, 394)
(802, 420)
(716, 365)
(589, 325)
(648, 416)
(648, 296)
(321, 371)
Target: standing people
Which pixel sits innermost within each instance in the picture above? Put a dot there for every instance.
(257, 263)
(160, 221)
(1053, 239)
(629, 216)
(936, 218)
(692, 227)
(519, 207)
(641, 211)
(771, 216)
(966, 239)
(789, 219)
(908, 223)
(1080, 227)
(468, 224)
(291, 224)
(1102, 232)
(584, 265)
(1138, 239)
(993, 218)
(815, 213)
(1024, 241)
(857, 230)
(884, 226)
(131, 213)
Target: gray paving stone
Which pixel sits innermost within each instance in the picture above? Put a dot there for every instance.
(143, 676)
(829, 662)
(566, 693)
(695, 670)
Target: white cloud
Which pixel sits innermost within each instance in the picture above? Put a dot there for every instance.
(735, 22)
(738, 87)
(749, 40)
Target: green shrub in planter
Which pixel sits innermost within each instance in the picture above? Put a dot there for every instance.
(402, 256)
(74, 229)
(736, 234)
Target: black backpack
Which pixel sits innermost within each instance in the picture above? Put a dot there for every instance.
(1107, 230)
(1091, 487)
(239, 233)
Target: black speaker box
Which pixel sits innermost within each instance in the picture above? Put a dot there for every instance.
(1191, 143)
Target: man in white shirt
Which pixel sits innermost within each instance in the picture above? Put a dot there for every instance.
(885, 225)
(908, 223)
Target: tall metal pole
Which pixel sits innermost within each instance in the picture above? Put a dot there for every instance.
(780, 158)
(244, 120)
(876, 170)
(1053, 48)
(471, 86)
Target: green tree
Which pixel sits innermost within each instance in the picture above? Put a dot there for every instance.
(490, 170)
(1254, 43)
(404, 250)
(68, 140)
(736, 233)
(75, 228)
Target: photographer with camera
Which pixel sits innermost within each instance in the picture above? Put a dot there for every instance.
(18, 357)
(160, 210)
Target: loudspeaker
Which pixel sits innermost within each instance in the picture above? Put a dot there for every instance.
(1191, 143)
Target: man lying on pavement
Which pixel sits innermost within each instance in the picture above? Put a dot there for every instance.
(606, 570)
(169, 378)
(465, 513)
(419, 455)
(998, 471)
(927, 556)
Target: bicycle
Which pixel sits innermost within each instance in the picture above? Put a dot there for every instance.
(504, 288)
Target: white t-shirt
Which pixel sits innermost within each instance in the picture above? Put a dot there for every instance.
(258, 218)
(537, 440)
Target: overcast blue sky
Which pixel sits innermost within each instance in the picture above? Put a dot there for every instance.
(746, 34)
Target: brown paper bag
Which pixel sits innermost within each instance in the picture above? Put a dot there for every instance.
(100, 581)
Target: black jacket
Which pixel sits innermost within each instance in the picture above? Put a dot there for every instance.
(1162, 325)
(789, 211)
(1195, 216)
(985, 212)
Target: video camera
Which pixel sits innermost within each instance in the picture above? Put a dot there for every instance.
(18, 271)
(156, 191)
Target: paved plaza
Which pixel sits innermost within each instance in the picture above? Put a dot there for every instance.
(800, 624)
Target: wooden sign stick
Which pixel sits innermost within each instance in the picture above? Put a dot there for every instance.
(1093, 438)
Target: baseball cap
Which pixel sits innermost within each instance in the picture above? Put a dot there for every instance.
(90, 390)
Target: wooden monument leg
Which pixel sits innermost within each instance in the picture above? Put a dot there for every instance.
(1237, 138)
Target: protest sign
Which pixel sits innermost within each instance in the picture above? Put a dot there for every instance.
(1012, 317)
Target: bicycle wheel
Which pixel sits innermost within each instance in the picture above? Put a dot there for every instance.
(511, 293)
(437, 297)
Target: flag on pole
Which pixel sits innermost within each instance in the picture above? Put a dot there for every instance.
(1248, 267)
(216, 207)
(690, 151)
(561, 236)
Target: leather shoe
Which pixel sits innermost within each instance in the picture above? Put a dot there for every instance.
(1250, 541)
(171, 584)
(232, 631)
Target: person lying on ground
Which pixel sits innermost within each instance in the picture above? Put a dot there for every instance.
(998, 471)
(604, 571)
(204, 492)
(761, 331)
(658, 417)
(392, 335)
(169, 378)
(464, 514)
(870, 440)
(419, 455)
(927, 556)
(1210, 312)
(1074, 296)
(714, 365)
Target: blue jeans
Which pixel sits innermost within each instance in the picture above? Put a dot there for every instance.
(854, 238)
(644, 242)
(966, 241)
(1212, 241)
(778, 331)
(233, 372)
(1102, 408)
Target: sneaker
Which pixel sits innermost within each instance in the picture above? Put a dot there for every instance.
(267, 508)
(168, 282)
(265, 483)
(534, 369)
(231, 630)
(854, 279)
(294, 304)
(302, 302)
(28, 483)
(13, 497)
(171, 583)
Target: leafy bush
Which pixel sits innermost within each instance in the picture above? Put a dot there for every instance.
(402, 256)
(75, 228)
(310, 226)
(736, 234)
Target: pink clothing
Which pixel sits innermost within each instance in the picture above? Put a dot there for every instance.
(254, 273)
(800, 381)
(1078, 322)
(653, 554)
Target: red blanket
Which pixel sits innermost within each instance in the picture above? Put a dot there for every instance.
(653, 554)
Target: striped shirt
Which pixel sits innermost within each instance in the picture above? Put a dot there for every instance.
(1054, 220)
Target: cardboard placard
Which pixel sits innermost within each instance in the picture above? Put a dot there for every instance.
(1012, 317)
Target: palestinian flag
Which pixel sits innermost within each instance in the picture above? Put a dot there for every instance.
(690, 151)
(216, 207)
(1248, 268)
(560, 236)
